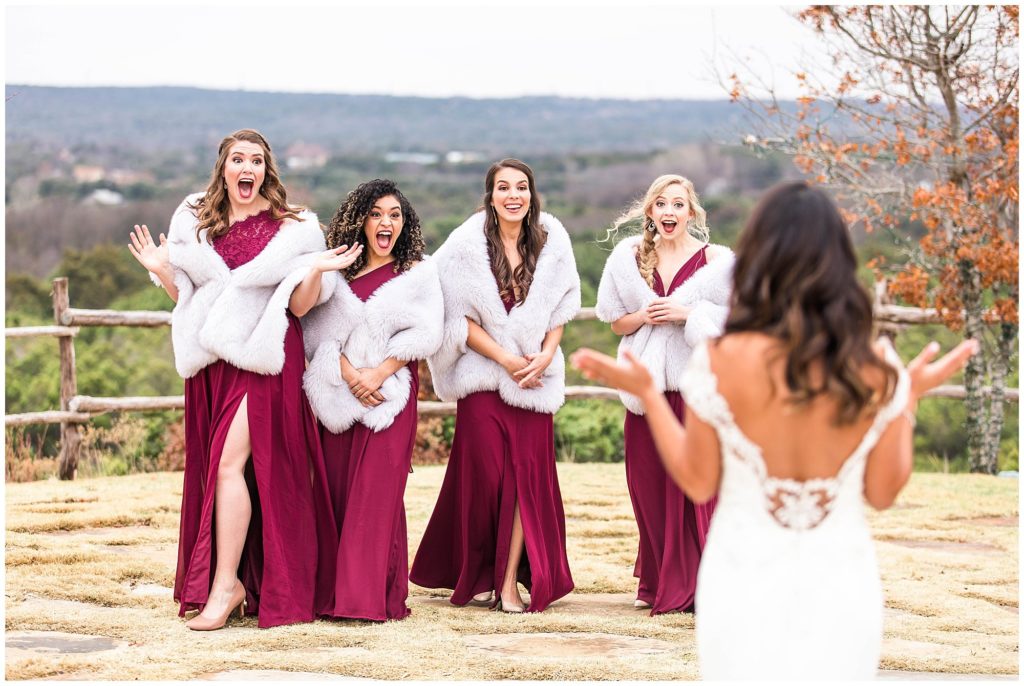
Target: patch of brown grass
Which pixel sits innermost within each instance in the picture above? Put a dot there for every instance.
(76, 550)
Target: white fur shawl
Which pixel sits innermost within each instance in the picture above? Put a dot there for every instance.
(470, 291)
(402, 319)
(664, 348)
(236, 315)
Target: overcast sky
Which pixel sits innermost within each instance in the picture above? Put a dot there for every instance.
(500, 49)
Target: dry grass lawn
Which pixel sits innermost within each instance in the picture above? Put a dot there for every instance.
(97, 557)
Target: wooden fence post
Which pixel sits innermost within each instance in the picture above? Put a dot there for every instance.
(880, 297)
(70, 434)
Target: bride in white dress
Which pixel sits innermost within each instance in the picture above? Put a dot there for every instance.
(795, 419)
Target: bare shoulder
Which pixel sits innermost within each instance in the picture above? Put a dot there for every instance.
(744, 346)
(741, 361)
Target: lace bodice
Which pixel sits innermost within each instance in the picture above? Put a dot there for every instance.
(246, 238)
(794, 504)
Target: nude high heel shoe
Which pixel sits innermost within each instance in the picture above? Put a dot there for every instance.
(512, 608)
(200, 623)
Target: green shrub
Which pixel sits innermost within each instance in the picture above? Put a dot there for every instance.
(589, 431)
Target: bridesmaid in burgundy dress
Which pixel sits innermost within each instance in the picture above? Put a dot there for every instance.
(664, 291)
(252, 530)
(363, 381)
(510, 284)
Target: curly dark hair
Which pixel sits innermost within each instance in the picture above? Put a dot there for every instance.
(347, 225)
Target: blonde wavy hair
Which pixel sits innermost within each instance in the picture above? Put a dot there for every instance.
(696, 224)
(213, 209)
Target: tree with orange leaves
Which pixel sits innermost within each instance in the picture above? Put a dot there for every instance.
(918, 121)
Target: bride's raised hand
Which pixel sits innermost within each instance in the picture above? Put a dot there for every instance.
(630, 376)
(153, 257)
(926, 375)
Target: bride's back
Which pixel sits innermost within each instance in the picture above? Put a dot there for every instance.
(788, 585)
(802, 408)
(796, 364)
(797, 440)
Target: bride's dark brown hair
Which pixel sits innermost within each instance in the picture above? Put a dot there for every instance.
(795, 279)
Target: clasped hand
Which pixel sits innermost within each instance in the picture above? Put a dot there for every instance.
(527, 370)
(365, 383)
(666, 311)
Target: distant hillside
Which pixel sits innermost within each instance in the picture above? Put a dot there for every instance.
(163, 119)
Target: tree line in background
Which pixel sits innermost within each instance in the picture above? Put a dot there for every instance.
(122, 361)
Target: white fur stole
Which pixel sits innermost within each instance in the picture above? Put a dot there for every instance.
(665, 348)
(237, 315)
(470, 291)
(402, 319)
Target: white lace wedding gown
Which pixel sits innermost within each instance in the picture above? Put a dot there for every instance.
(788, 586)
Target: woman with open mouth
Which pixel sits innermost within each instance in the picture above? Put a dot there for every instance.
(510, 284)
(364, 344)
(664, 291)
(257, 533)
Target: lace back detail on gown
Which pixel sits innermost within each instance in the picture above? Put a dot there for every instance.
(794, 504)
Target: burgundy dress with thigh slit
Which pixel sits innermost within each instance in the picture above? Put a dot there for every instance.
(501, 455)
(672, 528)
(287, 564)
(366, 473)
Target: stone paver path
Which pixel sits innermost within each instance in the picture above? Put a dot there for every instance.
(34, 644)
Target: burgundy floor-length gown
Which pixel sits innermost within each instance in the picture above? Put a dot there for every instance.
(366, 475)
(287, 564)
(500, 455)
(672, 528)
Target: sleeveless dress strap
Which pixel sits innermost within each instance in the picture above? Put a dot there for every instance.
(890, 411)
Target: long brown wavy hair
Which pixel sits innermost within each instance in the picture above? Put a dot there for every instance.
(349, 221)
(696, 224)
(532, 237)
(795, 279)
(213, 209)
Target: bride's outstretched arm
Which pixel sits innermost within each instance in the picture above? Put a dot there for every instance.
(890, 463)
(690, 455)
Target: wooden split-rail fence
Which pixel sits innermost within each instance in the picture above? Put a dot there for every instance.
(76, 410)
